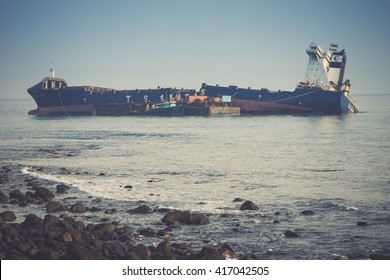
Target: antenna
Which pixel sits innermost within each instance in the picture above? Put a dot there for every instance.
(52, 69)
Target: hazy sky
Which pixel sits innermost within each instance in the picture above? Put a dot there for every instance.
(182, 43)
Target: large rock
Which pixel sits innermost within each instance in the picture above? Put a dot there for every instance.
(106, 227)
(182, 249)
(32, 221)
(226, 251)
(210, 254)
(30, 197)
(50, 221)
(80, 252)
(197, 219)
(15, 194)
(248, 205)
(114, 250)
(78, 208)
(61, 189)
(142, 251)
(8, 216)
(186, 217)
(143, 209)
(54, 206)
(44, 193)
(164, 249)
(127, 237)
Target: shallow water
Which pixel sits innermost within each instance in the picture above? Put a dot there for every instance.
(336, 166)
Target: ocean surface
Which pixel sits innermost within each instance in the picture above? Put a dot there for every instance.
(336, 166)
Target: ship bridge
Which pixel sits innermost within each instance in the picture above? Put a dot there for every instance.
(53, 83)
(325, 69)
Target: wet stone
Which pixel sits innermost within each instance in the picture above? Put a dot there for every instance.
(148, 232)
(164, 249)
(142, 251)
(54, 206)
(78, 208)
(307, 212)
(44, 193)
(51, 221)
(127, 237)
(3, 197)
(15, 194)
(33, 221)
(106, 227)
(143, 209)
(290, 234)
(33, 184)
(62, 189)
(210, 254)
(95, 209)
(185, 217)
(163, 234)
(8, 216)
(249, 205)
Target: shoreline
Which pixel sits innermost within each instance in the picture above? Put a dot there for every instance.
(43, 219)
(42, 222)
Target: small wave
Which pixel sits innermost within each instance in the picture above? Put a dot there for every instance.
(326, 170)
(106, 187)
(38, 174)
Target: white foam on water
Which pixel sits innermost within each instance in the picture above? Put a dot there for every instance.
(162, 194)
(101, 188)
(352, 208)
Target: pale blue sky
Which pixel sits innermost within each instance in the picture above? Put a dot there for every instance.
(181, 43)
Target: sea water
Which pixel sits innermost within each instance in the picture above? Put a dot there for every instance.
(334, 165)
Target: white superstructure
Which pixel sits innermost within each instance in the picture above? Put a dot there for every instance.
(325, 69)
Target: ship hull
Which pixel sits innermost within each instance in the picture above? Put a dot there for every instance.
(83, 100)
(300, 101)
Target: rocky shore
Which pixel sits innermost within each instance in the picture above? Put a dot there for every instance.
(41, 220)
(56, 234)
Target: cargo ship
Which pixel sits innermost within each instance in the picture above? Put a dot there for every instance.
(54, 96)
(323, 90)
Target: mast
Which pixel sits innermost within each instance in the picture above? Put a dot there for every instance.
(52, 69)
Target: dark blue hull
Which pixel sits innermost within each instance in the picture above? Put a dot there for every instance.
(306, 100)
(83, 99)
(53, 96)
